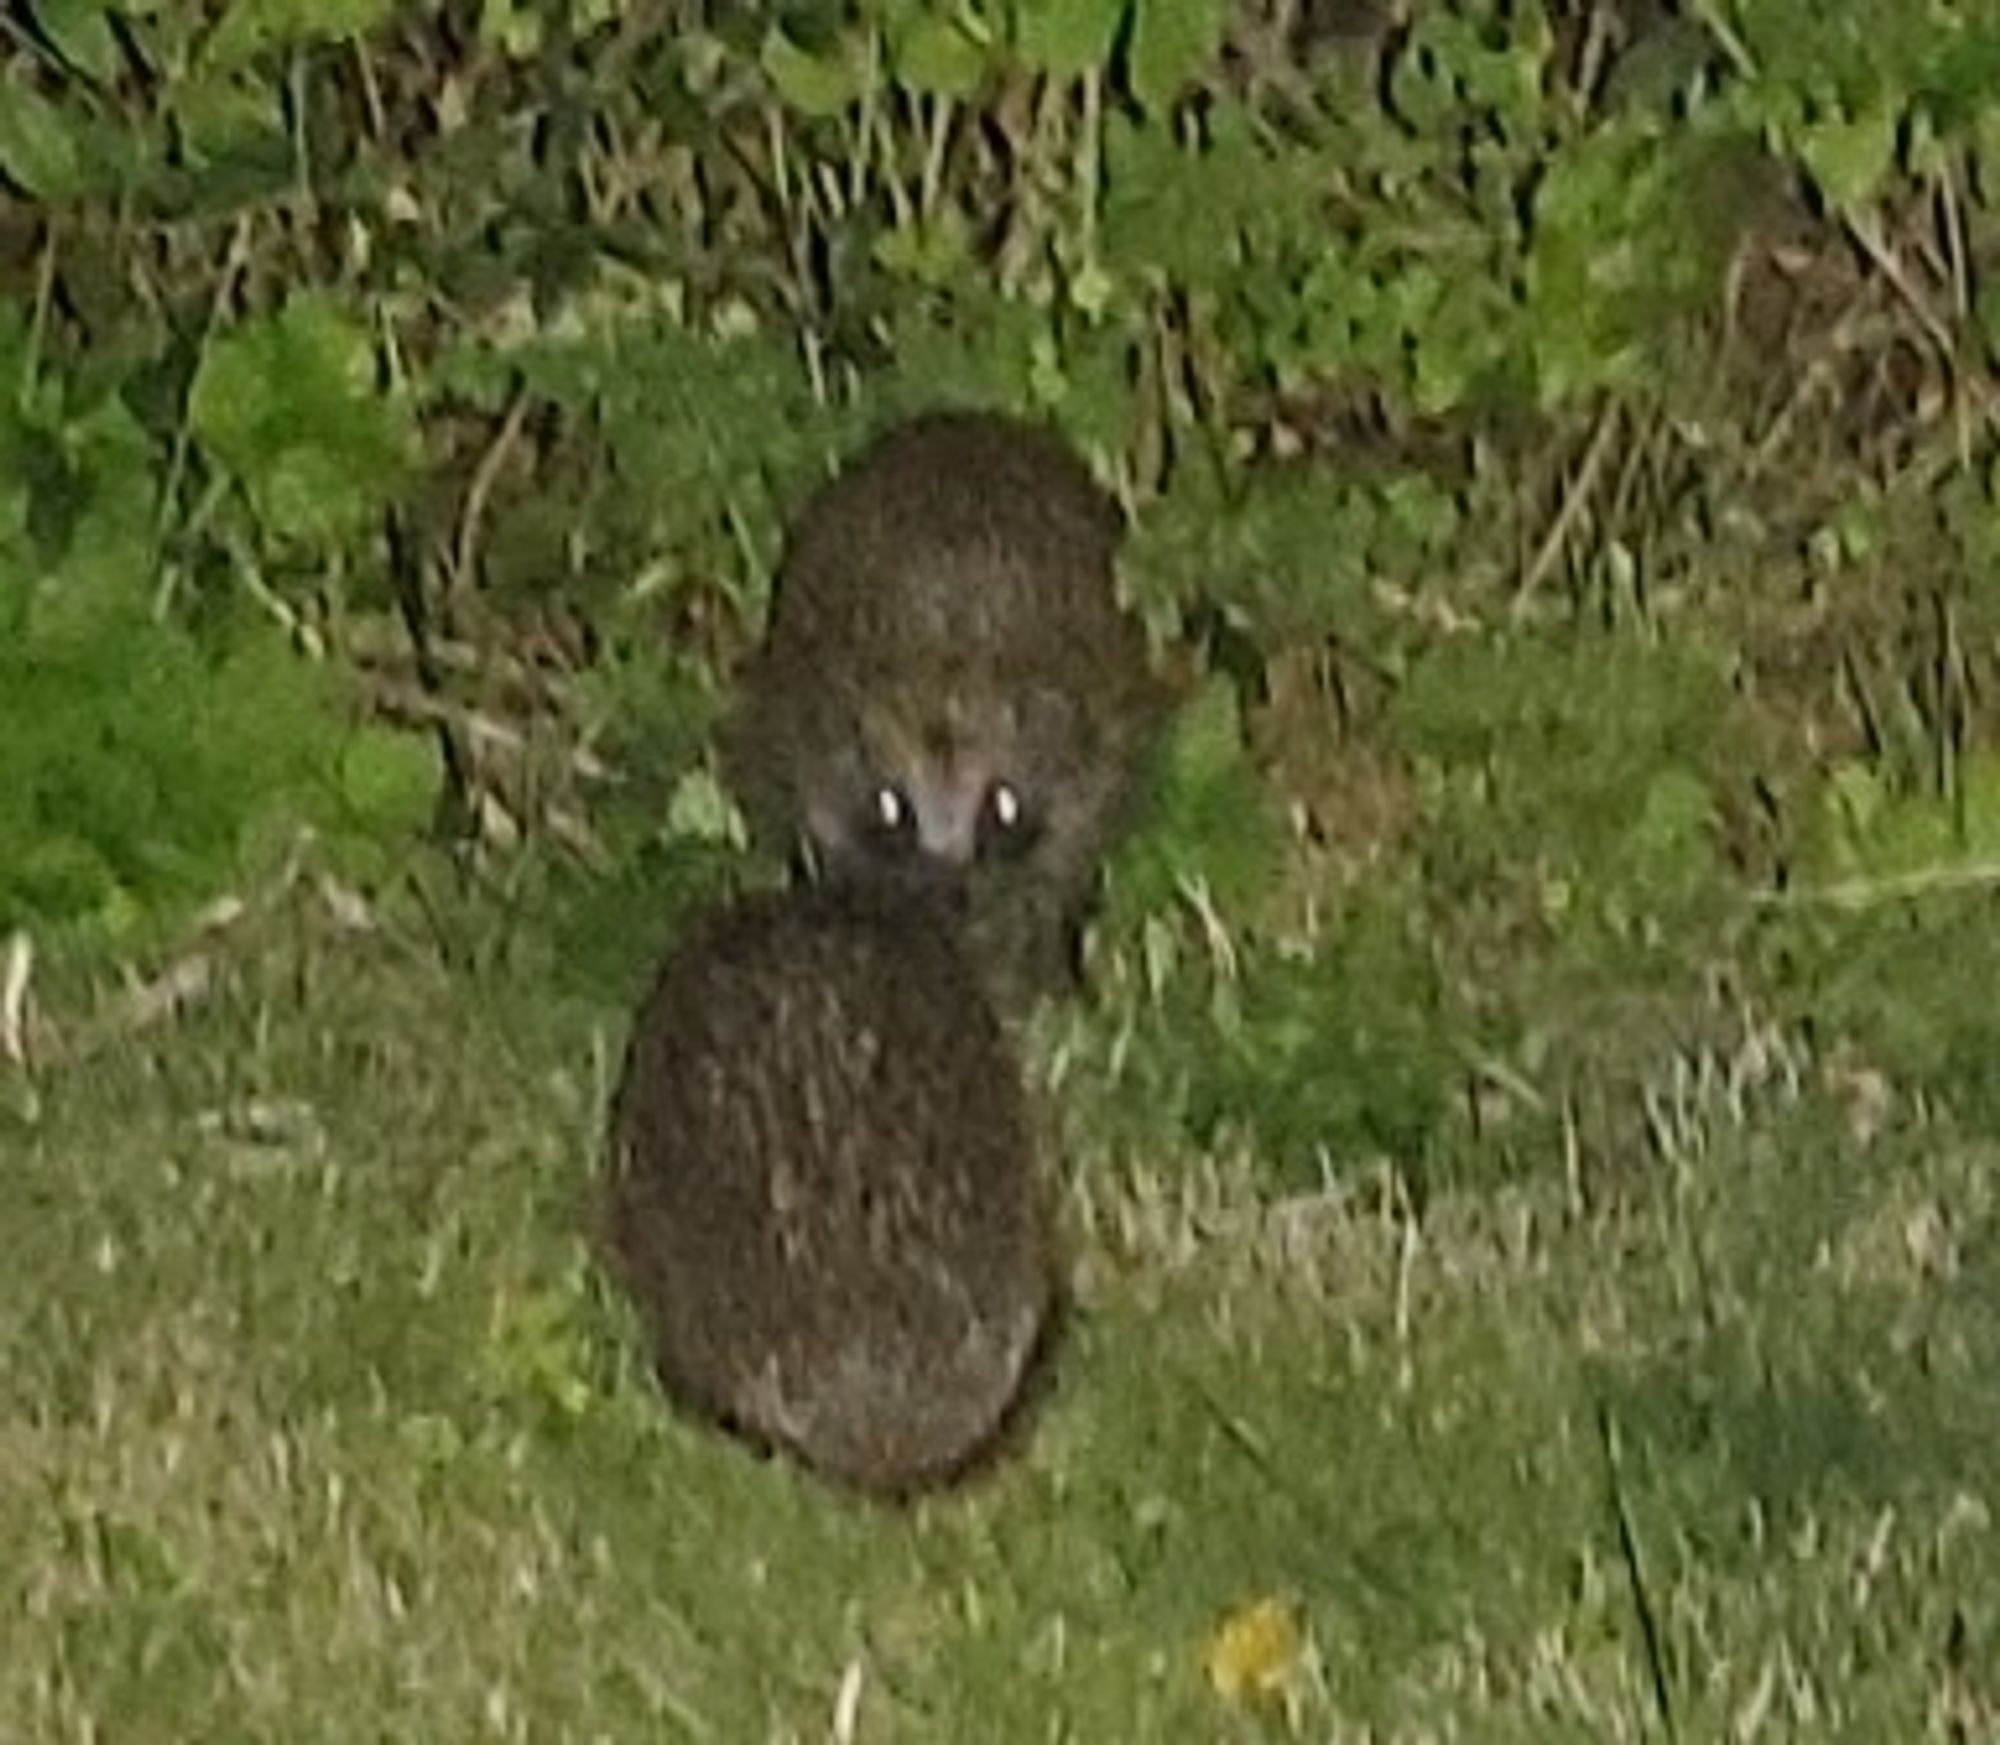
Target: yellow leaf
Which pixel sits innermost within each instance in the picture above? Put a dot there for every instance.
(1254, 1650)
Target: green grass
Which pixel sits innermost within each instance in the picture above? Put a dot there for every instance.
(317, 1424)
(1529, 1154)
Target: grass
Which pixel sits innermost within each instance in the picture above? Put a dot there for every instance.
(318, 1425)
(1529, 1155)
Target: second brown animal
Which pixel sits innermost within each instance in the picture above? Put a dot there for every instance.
(823, 1194)
(949, 694)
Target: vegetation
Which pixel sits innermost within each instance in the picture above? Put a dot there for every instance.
(1529, 1145)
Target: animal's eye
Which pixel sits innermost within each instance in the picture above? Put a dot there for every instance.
(1006, 827)
(889, 821)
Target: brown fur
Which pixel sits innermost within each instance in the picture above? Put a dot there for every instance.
(945, 619)
(822, 1193)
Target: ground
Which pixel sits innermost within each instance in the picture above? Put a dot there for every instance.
(1527, 1141)
(319, 1424)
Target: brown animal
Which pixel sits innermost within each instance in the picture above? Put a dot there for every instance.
(949, 695)
(822, 1192)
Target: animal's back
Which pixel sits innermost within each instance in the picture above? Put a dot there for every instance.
(823, 1196)
(971, 537)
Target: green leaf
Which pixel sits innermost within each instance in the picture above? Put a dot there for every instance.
(388, 779)
(289, 404)
(1666, 854)
(81, 34)
(1066, 38)
(1207, 741)
(939, 57)
(1987, 310)
(1420, 517)
(1851, 158)
(38, 148)
(77, 527)
(701, 811)
(1337, 1057)
(931, 253)
(229, 115)
(1172, 42)
(1208, 819)
(816, 85)
(1986, 151)
(1868, 831)
(511, 27)
(1175, 211)
(254, 27)
(59, 876)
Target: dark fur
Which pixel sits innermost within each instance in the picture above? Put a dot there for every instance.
(945, 618)
(822, 1190)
